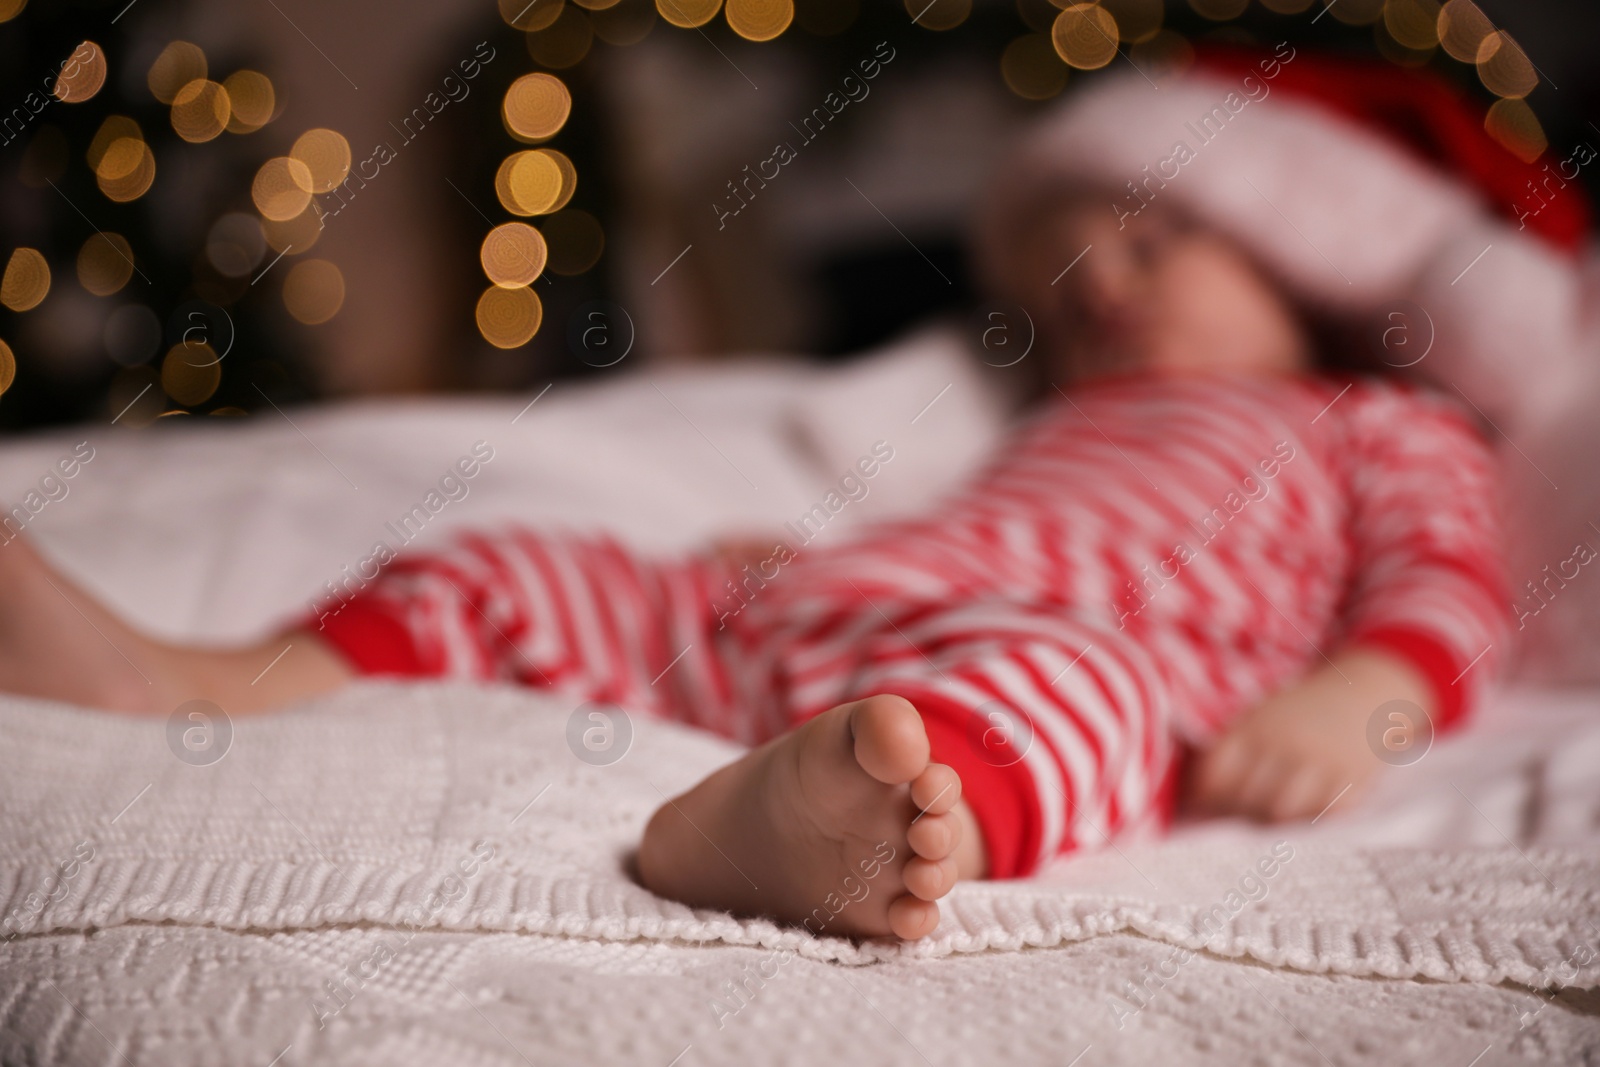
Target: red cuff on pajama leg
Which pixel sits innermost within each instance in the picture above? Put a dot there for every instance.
(372, 639)
(1003, 799)
(1432, 659)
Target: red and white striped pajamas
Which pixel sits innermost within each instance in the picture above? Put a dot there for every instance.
(1142, 560)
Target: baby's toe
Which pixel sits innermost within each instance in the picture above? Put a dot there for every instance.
(936, 790)
(929, 879)
(933, 837)
(910, 918)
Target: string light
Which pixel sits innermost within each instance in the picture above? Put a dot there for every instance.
(513, 254)
(26, 281)
(325, 154)
(1414, 24)
(126, 170)
(688, 14)
(8, 367)
(533, 183)
(1085, 36)
(83, 75)
(178, 64)
(1462, 28)
(314, 291)
(200, 111)
(1504, 68)
(536, 107)
(1514, 125)
(293, 236)
(10, 9)
(253, 100)
(282, 188)
(191, 373)
(765, 19)
(508, 318)
(105, 263)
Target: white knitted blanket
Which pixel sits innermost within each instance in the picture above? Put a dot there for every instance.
(353, 831)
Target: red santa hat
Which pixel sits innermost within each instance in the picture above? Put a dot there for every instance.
(1354, 183)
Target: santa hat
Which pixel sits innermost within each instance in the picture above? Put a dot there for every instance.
(1358, 185)
(1354, 183)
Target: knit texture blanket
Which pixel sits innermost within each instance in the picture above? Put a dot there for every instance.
(450, 808)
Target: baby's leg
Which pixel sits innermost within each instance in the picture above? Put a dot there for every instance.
(58, 642)
(844, 825)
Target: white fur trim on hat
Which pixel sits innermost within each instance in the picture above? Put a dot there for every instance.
(1343, 216)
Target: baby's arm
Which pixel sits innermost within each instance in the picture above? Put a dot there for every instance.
(1423, 622)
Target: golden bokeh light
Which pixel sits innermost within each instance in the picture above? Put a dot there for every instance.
(1414, 24)
(688, 14)
(178, 64)
(191, 372)
(530, 14)
(536, 107)
(937, 14)
(762, 20)
(564, 43)
(513, 254)
(8, 367)
(105, 263)
(1513, 124)
(114, 128)
(27, 280)
(295, 235)
(201, 110)
(126, 170)
(1085, 36)
(575, 240)
(1462, 28)
(623, 23)
(1031, 68)
(229, 411)
(282, 188)
(314, 291)
(508, 318)
(1504, 68)
(326, 157)
(10, 9)
(1357, 12)
(1137, 20)
(83, 75)
(533, 183)
(253, 100)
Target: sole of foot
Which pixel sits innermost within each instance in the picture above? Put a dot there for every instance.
(843, 826)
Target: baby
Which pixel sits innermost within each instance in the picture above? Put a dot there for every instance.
(1194, 545)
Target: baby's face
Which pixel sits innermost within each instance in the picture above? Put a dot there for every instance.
(1154, 293)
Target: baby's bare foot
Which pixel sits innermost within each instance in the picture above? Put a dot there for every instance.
(843, 825)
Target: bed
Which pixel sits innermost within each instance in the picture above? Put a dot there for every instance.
(424, 874)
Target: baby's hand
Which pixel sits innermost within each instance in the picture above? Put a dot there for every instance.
(1291, 755)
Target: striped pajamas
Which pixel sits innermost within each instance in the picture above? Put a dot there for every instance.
(1142, 560)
